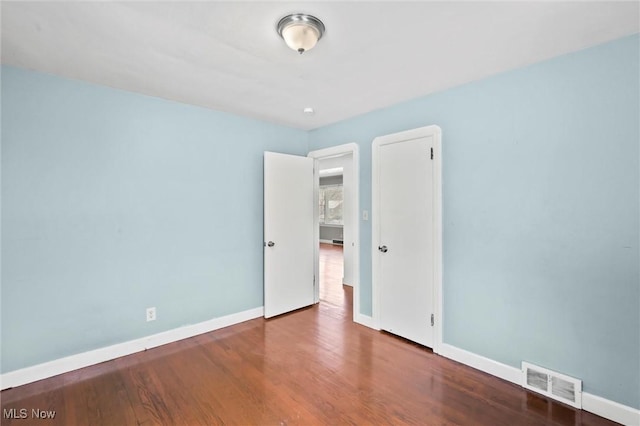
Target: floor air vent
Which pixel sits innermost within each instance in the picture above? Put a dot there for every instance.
(554, 385)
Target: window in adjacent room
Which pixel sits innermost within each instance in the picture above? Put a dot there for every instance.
(331, 202)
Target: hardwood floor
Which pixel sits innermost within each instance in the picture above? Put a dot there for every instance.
(331, 272)
(312, 366)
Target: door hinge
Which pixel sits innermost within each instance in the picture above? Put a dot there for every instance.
(432, 320)
(432, 153)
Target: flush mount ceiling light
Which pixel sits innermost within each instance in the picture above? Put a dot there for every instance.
(301, 32)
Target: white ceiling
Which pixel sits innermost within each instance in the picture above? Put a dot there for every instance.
(228, 56)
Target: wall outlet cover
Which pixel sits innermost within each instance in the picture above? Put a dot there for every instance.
(151, 314)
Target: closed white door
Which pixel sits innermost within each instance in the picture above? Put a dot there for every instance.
(403, 218)
(288, 233)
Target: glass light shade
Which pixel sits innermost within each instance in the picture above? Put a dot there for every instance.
(300, 31)
(300, 37)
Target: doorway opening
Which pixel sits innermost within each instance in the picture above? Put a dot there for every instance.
(333, 286)
(336, 227)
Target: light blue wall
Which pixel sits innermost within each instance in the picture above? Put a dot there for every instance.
(113, 202)
(541, 213)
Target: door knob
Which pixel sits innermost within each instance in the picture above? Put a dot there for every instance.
(383, 249)
(271, 244)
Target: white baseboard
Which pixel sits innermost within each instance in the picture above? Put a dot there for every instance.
(610, 410)
(503, 371)
(365, 320)
(594, 404)
(85, 359)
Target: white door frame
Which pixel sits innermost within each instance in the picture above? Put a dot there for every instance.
(335, 151)
(437, 225)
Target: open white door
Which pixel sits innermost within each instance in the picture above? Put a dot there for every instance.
(288, 233)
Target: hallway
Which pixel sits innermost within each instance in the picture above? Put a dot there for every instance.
(332, 291)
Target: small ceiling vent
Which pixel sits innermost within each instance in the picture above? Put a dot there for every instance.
(554, 385)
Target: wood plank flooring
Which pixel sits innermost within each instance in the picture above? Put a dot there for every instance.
(312, 366)
(331, 272)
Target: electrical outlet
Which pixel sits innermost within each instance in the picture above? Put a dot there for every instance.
(151, 314)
